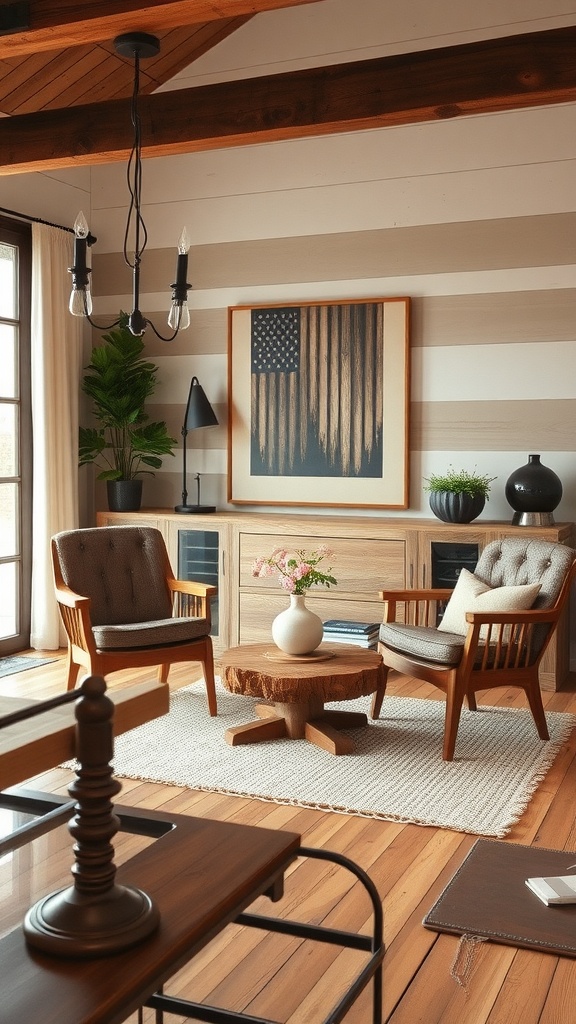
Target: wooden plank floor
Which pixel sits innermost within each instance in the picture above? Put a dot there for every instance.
(289, 981)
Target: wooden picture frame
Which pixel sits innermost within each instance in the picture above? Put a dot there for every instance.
(319, 403)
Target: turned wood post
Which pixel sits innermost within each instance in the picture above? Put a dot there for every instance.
(94, 916)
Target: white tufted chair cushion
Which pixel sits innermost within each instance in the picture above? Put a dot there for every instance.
(515, 560)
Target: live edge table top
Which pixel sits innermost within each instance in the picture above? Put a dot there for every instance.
(299, 687)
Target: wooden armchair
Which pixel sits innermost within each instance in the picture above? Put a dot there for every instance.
(493, 648)
(122, 607)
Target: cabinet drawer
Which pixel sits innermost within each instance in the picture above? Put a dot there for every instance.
(258, 610)
(360, 566)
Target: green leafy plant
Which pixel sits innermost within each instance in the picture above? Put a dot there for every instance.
(461, 482)
(119, 382)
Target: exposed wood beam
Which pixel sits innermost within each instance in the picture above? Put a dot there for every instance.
(492, 75)
(57, 25)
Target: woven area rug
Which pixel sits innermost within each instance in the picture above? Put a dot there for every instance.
(9, 666)
(396, 772)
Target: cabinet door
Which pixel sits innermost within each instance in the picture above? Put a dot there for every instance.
(198, 551)
(442, 553)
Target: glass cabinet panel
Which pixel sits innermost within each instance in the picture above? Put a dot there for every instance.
(199, 559)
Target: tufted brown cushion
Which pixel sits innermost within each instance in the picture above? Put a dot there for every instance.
(149, 634)
(122, 571)
(512, 560)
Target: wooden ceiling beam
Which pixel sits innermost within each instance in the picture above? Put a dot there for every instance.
(493, 75)
(56, 26)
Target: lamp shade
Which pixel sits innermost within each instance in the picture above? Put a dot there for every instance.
(199, 412)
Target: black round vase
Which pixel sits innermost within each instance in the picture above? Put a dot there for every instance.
(456, 508)
(124, 495)
(533, 491)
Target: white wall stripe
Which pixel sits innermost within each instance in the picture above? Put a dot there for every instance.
(505, 372)
(485, 194)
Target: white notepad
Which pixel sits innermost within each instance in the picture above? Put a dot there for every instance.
(555, 890)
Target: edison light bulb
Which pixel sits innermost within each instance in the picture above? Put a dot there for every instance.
(179, 316)
(80, 302)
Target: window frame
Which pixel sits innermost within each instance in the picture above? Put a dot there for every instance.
(19, 234)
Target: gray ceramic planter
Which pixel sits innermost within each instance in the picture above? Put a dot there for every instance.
(456, 508)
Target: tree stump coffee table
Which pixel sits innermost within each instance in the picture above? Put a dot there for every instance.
(298, 687)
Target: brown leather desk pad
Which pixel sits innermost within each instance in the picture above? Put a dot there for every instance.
(488, 897)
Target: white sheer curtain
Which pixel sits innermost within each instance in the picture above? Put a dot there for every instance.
(56, 367)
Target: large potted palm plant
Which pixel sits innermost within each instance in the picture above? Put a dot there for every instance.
(124, 445)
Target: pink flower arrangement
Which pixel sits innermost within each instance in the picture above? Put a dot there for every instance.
(296, 570)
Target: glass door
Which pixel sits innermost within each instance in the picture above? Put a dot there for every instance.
(199, 550)
(15, 438)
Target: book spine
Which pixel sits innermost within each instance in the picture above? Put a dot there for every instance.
(347, 640)
(366, 637)
(343, 628)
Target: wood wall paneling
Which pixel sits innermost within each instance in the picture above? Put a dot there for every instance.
(469, 246)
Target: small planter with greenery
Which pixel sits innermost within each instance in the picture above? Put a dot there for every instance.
(458, 497)
(124, 445)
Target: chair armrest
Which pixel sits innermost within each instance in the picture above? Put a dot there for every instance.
(75, 614)
(510, 640)
(533, 615)
(435, 594)
(192, 598)
(69, 598)
(417, 607)
(191, 587)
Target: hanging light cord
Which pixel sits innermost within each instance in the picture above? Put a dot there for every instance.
(134, 178)
(134, 221)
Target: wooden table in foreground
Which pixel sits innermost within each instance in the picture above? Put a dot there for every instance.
(202, 875)
(299, 687)
(38, 744)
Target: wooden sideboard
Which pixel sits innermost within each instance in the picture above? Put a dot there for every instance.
(371, 553)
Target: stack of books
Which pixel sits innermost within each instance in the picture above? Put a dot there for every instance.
(345, 631)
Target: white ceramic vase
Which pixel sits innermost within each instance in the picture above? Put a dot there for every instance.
(297, 630)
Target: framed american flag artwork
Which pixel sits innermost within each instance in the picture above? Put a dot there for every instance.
(319, 403)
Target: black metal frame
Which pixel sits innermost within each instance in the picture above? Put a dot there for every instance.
(372, 970)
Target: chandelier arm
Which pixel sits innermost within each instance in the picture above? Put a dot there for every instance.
(161, 336)
(101, 327)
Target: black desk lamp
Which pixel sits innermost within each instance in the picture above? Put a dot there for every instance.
(199, 413)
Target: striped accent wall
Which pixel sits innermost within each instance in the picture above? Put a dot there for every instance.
(473, 218)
